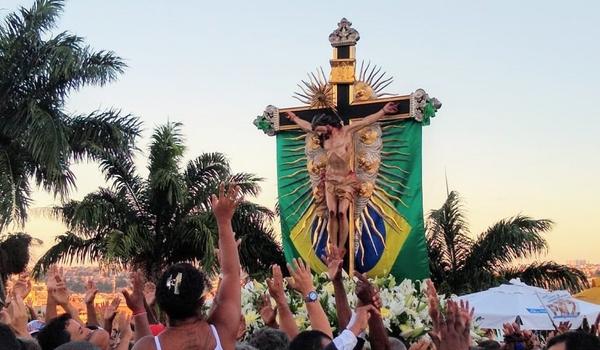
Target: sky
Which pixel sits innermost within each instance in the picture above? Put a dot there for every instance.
(517, 133)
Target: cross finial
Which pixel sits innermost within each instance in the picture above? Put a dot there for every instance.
(344, 35)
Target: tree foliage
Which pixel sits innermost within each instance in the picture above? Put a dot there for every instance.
(461, 264)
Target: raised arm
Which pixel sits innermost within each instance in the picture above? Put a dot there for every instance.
(303, 124)
(135, 303)
(367, 295)
(226, 314)
(334, 260)
(89, 298)
(286, 318)
(389, 108)
(302, 281)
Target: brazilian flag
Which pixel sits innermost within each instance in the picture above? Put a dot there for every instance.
(389, 234)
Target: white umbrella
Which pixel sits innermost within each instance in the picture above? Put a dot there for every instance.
(506, 303)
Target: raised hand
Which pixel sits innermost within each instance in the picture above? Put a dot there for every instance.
(225, 204)
(275, 284)
(21, 287)
(302, 279)
(90, 292)
(110, 309)
(390, 108)
(135, 299)
(361, 320)
(334, 260)
(150, 293)
(268, 313)
(422, 344)
(453, 334)
(61, 293)
(19, 315)
(434, 313)
(51, 274)
(366, 292)
(464, 317)
(564, 327)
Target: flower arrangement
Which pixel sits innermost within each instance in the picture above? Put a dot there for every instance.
(404, 311)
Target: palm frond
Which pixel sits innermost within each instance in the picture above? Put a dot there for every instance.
(193, 240)
(15, 193)
(38, 71)
(100, 133)
(507, 240)
(447, 231)
(165, 181)
(202, 177)
(71, 248)
(548, 275)
(102, 210)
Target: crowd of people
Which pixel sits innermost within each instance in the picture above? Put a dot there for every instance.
(179, 295)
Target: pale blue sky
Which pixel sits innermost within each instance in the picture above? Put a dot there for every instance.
(518, 132)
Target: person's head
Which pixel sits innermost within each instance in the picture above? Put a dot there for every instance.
(61, 330)
(8, 339)
(78, 345)
(574, 341)
(396, 344)
(490, 345)
(323, 123)
(269, 339)
(179, 292)
(29, 344)
(244, 346)
(310, 340)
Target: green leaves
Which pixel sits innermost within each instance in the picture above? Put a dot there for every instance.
(164, 219)
(39, 140)
(460, 264)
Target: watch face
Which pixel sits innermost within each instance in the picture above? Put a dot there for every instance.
(312, 296)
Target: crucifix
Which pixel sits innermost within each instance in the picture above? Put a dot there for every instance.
(342, 116)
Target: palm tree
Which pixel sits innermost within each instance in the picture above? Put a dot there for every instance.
(460, 264)
(163, 219)
(39, 140)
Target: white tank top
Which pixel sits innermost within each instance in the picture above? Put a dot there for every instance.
(213, 330)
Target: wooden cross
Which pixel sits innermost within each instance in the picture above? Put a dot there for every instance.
(342, 80)
(350, 97)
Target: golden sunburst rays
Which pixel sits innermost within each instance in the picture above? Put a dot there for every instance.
(371, 82)
(316, 92)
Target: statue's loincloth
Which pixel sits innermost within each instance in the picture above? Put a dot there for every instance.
(342, 186)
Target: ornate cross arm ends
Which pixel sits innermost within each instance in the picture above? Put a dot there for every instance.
(268, 122)
(423, 107)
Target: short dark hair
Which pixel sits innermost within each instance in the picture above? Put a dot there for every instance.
(8, 339)
(78, 345)
(188, 300)
(490, 345)
(325, 119)
(54, 333)
(29, 344)
(269, 339)
(576, 341)
(309, 340)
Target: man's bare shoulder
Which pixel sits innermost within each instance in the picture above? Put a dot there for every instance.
(146, 343)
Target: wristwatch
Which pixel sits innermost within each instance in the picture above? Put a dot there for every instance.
(311, 297)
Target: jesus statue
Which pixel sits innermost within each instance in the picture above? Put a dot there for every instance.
(339, 179)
